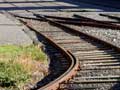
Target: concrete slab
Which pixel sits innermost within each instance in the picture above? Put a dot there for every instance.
(11, 33)
(4, 20)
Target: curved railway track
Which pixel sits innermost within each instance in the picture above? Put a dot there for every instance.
(62, 62)
(99, 61)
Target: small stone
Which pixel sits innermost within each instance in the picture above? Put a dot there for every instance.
(114, 40)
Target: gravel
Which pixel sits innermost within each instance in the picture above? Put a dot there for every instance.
(109, 35)
(103, 86)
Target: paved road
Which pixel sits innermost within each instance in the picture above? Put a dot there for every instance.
(11, 32)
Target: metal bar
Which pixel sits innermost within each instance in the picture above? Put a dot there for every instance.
(111, 17)
(66, 28)
(80, 22)
(97, 21)
(91, 24)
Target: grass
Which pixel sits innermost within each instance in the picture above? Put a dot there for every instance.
(17, 64)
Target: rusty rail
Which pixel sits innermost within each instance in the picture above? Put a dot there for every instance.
(74, 63)
(104, 24)
(91, 24)
(83, 21)
(72, 70)
(66, 28)
(77, 32)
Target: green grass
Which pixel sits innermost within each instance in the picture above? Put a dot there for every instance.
(10, 51)
(12, 74)
(35, 53)
(16, 64)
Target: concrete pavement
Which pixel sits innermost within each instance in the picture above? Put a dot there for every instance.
(11, 32)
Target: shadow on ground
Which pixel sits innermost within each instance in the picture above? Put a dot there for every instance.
(71, 4)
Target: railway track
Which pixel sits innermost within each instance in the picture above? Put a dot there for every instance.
(99, 60)
(63, 65)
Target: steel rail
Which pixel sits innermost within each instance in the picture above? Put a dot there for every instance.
(79, 22)
(57, 18)
(83, 21)
(72, 70)
(79, 19)
(99, 67)
(91, 24)
(67, 28)
(74, 63)
(111, 17)
(97, 21)
(48, 16)
(55, 84)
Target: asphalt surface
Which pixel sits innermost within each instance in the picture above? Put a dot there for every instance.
(11, 32)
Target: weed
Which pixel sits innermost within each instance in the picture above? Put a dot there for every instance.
(16, 64)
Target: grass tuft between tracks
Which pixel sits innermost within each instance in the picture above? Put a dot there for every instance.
(17, 64)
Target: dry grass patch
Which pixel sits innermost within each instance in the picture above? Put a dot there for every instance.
(20, 65)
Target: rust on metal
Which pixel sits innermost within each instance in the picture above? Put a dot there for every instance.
(66, 28)
(75, 66)
(65, 76)
(83, 21)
